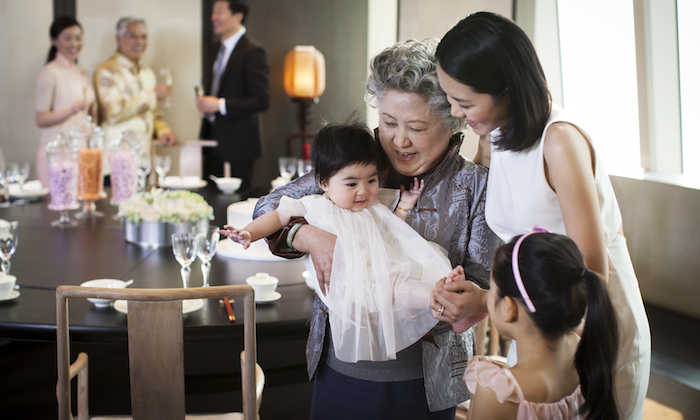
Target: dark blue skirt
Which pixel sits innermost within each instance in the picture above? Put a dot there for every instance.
(340, 397)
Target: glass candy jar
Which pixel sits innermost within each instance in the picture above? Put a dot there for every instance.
(90, 180)
(62, 159)
(124, 166)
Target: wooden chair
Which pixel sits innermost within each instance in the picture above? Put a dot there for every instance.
(154, 323)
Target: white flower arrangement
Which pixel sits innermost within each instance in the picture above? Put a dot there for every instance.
(166, 206)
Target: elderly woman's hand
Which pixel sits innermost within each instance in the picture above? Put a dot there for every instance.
(320, 245)
(458, 300)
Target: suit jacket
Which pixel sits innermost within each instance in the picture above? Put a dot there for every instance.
(245, 84)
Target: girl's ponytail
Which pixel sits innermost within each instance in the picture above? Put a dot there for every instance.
(597, 351)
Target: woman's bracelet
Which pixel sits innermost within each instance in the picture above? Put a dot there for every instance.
(292, 231)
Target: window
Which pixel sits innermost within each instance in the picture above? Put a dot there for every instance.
(689, 69)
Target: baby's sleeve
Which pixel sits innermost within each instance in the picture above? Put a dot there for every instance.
(291, 207)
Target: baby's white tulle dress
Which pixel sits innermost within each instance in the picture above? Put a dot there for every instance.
(382, 276)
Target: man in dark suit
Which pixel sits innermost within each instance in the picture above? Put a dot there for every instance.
(238, 90)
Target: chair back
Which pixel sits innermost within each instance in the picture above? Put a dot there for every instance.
(155, 343)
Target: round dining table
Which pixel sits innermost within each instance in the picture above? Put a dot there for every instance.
(47, 257)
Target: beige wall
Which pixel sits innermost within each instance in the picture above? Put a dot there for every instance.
(24, 45)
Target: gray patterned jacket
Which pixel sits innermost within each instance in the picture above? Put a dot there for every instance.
(449, 212)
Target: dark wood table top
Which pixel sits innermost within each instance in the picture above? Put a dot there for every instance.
(47, 257)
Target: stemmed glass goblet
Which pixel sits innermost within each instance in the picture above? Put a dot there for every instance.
(18, 173)
(8, 243)
(185, 251)
(303, 167)
(288, 167)
(162, 164)
(206, 249)
(144, 170)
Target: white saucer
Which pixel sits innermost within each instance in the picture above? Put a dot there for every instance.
(183, 182)
(13, 295)
(28, 194)
(258, 251)
(268, 298)
(187, 305)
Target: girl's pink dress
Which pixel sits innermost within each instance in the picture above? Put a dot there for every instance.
(496, 376)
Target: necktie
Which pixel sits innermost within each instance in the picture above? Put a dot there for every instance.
(217, 70)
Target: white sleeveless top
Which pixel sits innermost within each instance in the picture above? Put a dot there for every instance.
(519, 197)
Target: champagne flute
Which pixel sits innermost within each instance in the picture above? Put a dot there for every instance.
(166, 78)
(185, 251)
(288, 167)
(162, 164)
(8, 243)
(206, 249)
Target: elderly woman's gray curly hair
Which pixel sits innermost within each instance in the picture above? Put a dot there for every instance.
(410, 66)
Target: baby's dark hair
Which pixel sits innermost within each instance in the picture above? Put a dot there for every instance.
(563, 292)
(339, 145)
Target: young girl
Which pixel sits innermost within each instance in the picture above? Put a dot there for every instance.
(383, 271)
(540, 291)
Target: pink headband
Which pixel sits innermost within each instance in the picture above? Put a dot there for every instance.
(516, 267)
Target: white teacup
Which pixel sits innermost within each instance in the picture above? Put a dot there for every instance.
(264, 284)
(7, 285)
(108, 283)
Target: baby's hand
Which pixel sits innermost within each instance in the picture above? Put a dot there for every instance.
(240, 236)
(457, 274)
(411, 196)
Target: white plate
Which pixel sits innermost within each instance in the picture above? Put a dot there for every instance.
(183, 182)
(187, 305)
(258, 251)
(271, 298)
(13, 295)
(28, 194)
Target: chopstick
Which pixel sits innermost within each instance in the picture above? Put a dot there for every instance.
(227, 304)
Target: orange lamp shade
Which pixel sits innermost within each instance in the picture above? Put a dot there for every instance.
(304, 72)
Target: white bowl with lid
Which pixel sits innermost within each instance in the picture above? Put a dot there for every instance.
(264, 285)
(108, 283)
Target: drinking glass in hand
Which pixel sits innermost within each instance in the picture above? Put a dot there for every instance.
(166, 78)
(288, 167)
(162, 164)
(185, 251)
(206, 249)
(8, 243)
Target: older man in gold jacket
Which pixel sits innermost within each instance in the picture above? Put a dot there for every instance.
(128, 92)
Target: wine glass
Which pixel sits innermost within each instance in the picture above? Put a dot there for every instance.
(144, 169)
(288, 167)
(162, 164)
(185, 251)
(8, 243)
(166, 78)
(18, 173)
(5, 185)
(303, 167)
(206, 249)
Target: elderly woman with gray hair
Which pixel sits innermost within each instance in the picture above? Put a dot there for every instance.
(418, 138)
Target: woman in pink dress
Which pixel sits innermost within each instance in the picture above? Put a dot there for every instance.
(64, 95)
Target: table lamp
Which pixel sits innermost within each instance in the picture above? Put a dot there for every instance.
(304, 82)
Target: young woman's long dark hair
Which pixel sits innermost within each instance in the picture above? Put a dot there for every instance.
(492, 55)
(563, 291)
(58, 25)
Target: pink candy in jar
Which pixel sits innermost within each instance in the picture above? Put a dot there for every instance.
(63, 184)
(124, 176)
